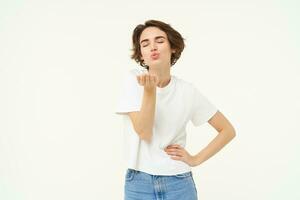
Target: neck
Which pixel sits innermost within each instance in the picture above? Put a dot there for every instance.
(163, 74)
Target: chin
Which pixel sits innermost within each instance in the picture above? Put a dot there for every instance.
(156, 63)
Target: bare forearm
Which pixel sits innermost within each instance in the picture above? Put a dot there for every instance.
(224, 137)
(146, 114)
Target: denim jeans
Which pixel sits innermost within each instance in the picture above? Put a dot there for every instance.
(143, 186)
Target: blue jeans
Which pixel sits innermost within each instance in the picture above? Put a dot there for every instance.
(143, 186)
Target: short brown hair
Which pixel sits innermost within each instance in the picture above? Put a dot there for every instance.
(174, 37)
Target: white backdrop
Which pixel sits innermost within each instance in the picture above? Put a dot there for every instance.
(61, 65)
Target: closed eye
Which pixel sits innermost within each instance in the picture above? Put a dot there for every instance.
(157, 41)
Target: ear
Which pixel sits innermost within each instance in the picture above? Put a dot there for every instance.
(173, 50)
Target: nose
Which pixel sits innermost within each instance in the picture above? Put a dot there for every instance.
(153, 46)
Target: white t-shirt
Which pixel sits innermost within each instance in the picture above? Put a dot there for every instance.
(176, 104)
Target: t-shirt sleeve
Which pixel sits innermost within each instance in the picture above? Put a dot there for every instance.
(129, 99)
(202, 109)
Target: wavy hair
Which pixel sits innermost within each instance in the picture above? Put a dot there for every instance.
(174, 37)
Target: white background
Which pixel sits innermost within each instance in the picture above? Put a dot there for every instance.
(61, 66)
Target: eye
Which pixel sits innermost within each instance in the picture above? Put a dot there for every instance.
(159, 41)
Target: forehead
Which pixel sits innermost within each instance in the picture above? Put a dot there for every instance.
(152, 32)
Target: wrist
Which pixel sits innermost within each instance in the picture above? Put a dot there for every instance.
(196, 160)
(150, 90)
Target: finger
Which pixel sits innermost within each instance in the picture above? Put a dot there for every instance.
(155, 80)
(143, 79)
(174, 152)
(147, 81)
(176, 157)
(152, 81)
(174, 146)
(171, 150)
(178, 153)
(138, 79)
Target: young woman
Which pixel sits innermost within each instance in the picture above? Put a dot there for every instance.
(157, 107)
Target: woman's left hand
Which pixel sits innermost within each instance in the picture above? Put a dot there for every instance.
(179, 153)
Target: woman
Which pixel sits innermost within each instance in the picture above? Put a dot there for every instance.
(157, 107)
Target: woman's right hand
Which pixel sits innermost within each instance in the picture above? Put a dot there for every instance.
(149, 81)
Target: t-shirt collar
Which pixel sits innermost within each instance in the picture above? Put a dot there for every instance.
(167, 87)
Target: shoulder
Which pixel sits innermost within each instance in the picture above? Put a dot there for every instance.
(190, 88)
(187, 85)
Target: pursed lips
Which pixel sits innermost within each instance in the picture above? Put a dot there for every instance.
(155, 55)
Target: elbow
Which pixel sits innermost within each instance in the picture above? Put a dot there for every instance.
(229, 132)
(232, 133)
(145, 135)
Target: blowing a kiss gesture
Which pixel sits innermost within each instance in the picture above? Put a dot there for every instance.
(149, 81)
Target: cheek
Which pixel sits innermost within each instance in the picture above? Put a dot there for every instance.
(144, 54)
(165, 50)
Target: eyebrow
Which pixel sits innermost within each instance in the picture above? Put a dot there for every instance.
(157, 37)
